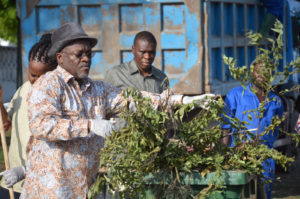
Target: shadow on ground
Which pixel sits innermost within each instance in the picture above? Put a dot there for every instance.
(287, 185)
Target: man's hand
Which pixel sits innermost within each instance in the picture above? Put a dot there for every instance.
(226, 137)
(13, 176)
(6, 125)
(201, 100)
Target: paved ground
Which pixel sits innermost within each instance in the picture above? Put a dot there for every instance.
(287, 185)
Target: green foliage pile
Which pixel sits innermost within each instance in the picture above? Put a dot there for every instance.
(8, 21)
(162, 143)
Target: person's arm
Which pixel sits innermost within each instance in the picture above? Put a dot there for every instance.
(165, 83)
(279, 112)
(226, 137)
(5, 118)
(13, 176)
(111, 77)
(115, 101)
(47, 122)
(45, 114)
(229, 109)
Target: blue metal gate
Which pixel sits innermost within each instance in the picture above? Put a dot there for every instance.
(227, 29)
(192, 35)
(175, 24)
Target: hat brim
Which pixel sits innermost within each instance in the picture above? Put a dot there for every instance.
(56, 47)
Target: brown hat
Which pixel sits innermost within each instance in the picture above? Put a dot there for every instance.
(65, 34)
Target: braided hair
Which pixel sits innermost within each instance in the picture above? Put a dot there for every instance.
(39, 51)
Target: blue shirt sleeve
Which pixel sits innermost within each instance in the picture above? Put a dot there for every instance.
(230, 106)
(272, 136)
(280, 109)
(279, 112)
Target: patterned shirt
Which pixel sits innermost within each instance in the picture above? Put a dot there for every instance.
(128, 75)
(297, 127)
(63, 157)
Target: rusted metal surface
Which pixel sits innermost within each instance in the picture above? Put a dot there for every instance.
(191, 79)
(175, 24)
(192, 35)
(30, 5)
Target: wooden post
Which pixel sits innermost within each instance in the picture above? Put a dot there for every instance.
(4, 146)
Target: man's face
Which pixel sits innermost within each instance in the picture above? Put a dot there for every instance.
(258, 75)
(258, 72)
(144, 54)
(76, 58)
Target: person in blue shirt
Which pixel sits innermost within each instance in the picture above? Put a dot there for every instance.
(239, 100)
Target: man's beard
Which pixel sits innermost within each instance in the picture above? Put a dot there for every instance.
(83, 75)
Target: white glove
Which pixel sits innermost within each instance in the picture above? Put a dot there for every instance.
(13, 176)
(201, 100)
(132, 106)
(104, 128)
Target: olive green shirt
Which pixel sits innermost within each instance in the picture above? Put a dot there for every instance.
(20, 133)
(128, 75)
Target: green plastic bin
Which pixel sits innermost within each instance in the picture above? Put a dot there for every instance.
(239, 184)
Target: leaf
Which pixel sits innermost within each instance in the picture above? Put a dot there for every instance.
(157, 149)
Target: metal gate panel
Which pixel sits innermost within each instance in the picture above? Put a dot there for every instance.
(175, 24)
(192, 35)
(227, 24)
(8, 71)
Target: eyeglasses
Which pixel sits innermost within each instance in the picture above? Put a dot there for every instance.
(81, 55)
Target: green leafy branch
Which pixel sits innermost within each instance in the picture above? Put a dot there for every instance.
(166, 145)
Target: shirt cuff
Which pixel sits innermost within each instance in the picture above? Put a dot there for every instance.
(80, 128)
(176, 99)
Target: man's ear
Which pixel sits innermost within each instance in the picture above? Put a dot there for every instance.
(133, 49)
(59, 58)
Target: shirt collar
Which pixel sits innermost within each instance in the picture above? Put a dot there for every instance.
(133, 69)
(248, 88)
(67, 77)
(64, 74)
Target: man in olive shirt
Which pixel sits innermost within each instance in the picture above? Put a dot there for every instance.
(139, 73)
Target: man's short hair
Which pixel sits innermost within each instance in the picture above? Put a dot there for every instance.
(257, 60)
(146, 36)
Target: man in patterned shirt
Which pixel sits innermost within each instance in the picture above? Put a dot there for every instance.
(67, 114)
